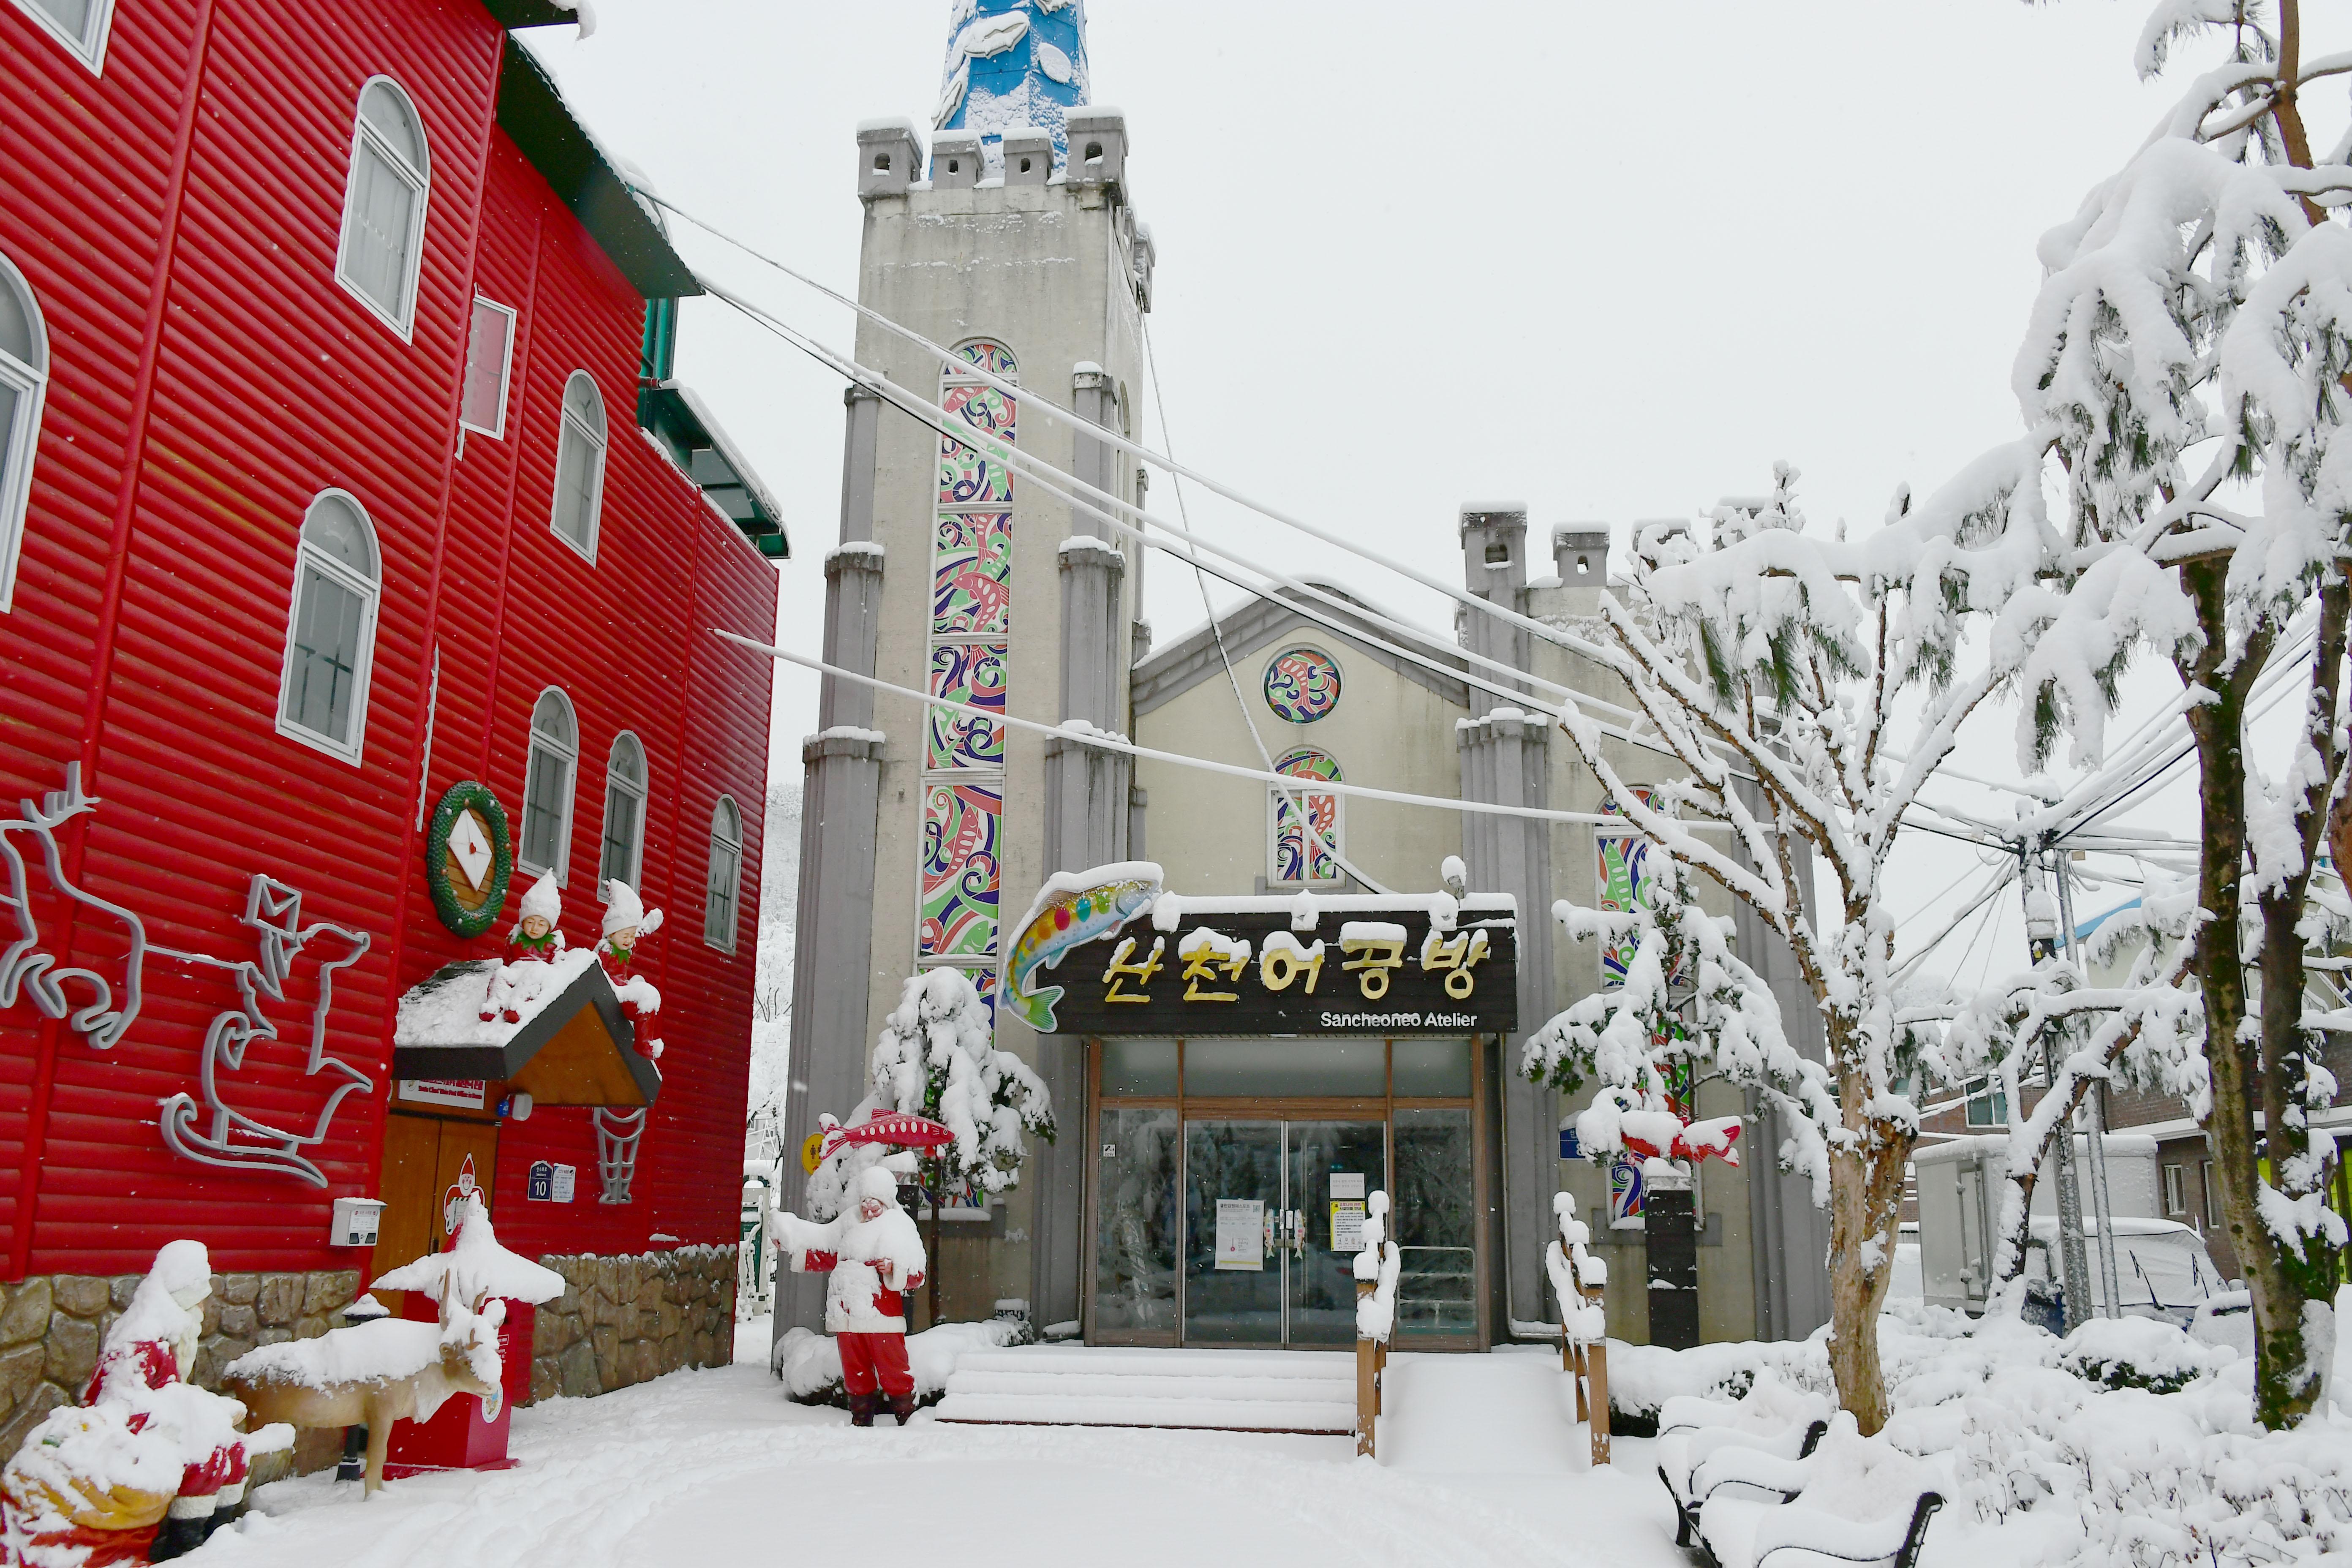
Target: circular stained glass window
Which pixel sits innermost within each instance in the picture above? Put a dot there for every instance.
(1302, 685)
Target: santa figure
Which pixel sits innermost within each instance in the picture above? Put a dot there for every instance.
(532, 949)
(626, 919)
(149, 1434)
(875, 1257)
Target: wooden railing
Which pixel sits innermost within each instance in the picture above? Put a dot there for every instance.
(1376, 1284)
(1579, 1280)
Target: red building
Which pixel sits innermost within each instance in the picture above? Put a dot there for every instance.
(339, 465)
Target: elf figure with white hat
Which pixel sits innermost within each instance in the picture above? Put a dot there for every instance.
(626, 919)
(875, 1256)
(531, 951)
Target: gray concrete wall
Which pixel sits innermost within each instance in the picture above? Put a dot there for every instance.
(1056, 273)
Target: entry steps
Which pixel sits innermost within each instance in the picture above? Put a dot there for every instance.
(1225, 1391)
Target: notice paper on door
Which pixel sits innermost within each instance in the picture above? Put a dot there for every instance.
(1347, 1185)
(1241, 1234)
(1348, 1227)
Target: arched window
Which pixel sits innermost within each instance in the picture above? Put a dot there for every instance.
(24, 379)
(383, 207)
(330, 629)
(723, 892)
(547, 785)
(580, 465)
(81, 26)
(624, 813)
(1295, 855)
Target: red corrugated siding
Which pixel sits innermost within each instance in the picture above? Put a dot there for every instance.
(92, 265)
(271, 384)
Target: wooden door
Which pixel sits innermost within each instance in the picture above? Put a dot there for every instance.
(411, 1158)
(462, 1142)
(423, 1158)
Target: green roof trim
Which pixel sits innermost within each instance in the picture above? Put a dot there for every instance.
(528, 13)
(531, 109)
(677, 418)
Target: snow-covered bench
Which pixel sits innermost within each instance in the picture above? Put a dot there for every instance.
(1773, 1418)
(1686, 1462)
(1855, 1500)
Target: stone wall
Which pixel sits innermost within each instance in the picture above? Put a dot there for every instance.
(51, 1327)
(624, 1321)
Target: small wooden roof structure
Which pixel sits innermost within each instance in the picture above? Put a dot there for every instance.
(572, 1047)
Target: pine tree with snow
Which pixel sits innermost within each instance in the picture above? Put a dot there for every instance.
(936, 1058)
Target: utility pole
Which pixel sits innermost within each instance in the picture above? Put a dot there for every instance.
(2094, 1117)
(2041, 940)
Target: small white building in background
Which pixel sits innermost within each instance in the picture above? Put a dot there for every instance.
(2162, 1265)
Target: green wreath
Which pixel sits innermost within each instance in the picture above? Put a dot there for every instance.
(455, 915)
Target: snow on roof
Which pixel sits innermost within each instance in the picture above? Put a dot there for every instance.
(446, 1009)
(1286, 598)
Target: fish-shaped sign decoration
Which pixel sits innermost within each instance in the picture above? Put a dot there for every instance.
(1072, 911)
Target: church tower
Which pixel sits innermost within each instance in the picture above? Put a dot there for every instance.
(1011, 243)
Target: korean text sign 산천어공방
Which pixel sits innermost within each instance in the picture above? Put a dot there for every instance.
(1230, 972)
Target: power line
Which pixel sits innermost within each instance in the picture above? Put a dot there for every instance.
(1087, 735)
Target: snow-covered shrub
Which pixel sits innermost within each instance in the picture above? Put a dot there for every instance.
(936, 1058)
(1641, 1378)
(2137, 1353)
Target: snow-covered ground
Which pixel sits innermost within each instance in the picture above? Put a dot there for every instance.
(713, 1467)
(2043, 1456)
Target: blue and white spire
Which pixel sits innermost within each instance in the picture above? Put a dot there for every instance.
(1012, 64)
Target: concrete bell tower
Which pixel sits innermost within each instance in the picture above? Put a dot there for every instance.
(1012, 243)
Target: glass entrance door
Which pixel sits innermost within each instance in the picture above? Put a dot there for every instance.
(1330, 1169)
(1232, 1206)
(1273, 1214)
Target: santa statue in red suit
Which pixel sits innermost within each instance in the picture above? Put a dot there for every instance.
(626, 920)
(150, 1464)
(875, 1257)
(532, 949)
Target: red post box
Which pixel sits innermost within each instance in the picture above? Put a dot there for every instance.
(460, 1436)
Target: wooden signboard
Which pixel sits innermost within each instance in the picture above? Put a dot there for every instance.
(1219, 973)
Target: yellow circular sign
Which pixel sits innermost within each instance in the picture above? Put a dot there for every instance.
(810, 1151)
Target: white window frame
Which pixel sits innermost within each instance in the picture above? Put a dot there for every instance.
(364, 134)
(571, 428)
(497, 430)
(20, 443)
(543, 744)
(2175, 1190)
(308, 557)
(641, 791)
(92, 50)
(725, 807)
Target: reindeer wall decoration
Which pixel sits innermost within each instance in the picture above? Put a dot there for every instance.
(27, 968)
(234, 1139)
(31, 971)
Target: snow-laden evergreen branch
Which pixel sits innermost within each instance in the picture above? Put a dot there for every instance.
(935, 1057)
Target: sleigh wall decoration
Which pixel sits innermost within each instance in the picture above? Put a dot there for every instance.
(207, 1126)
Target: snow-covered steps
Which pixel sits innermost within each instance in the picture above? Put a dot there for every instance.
(1231, 1390)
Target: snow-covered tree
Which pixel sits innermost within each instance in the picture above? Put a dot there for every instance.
(2186, 364)
(936, 1058)
(2046, 1025)
(1809, 687)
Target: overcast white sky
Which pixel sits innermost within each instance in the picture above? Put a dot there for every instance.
(1609, 261)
